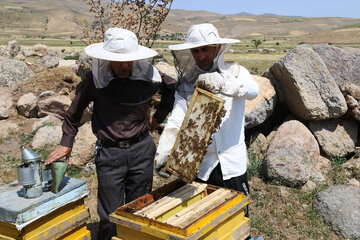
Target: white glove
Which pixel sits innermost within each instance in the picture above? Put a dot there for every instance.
(166, 143)
(212, 82)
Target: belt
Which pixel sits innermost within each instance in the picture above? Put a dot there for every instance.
(124, 143)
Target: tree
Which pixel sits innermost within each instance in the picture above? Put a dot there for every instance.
(256, 42)
(143, 17)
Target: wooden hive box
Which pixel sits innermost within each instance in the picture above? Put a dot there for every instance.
(184, 211)
(202, 118)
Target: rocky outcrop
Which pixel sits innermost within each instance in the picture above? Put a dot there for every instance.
(352, 96)
(340, 207)
(307, 86)
(260, 108)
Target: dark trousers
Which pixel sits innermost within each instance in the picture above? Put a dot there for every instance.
(239, 183)
(124, 174)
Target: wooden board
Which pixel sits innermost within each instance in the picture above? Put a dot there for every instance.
(200, 208)
(175, 198)
(202, 118)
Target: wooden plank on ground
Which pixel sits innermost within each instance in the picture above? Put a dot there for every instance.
(200, 208)
(170, 201)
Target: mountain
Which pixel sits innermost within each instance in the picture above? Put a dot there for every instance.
(67, 18)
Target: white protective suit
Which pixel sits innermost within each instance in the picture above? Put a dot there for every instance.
(228, 146)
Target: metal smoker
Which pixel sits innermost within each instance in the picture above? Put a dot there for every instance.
(30, 174)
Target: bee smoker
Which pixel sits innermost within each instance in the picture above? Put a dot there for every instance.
(30, 174)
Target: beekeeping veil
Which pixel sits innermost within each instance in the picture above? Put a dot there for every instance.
(188, 71)
(121, 45)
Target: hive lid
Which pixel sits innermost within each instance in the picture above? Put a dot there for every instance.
(20, 211)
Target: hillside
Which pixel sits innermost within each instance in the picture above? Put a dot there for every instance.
(67, 18)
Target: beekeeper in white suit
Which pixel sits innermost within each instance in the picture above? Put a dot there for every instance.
(200, 61)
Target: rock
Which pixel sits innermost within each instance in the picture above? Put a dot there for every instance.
(260, 108)
(20, 56)
(27, 105)
(83, 149)
(353, 90)
(320, 170)
(7, 127)
(46, 94)
(259, 146)
(12, 48)
(48, 120)
(291, 155)
(13, 71)
(307, 86)
(336, 137)
(55, 105)
(40, 49)
(340, 207)
(309, 186)
(343, 63)
(67, 63)
(167, 69)
(6, 102)
(351, 101)
(50, 62)
(47, 135)
(85, 64)
(353, 182)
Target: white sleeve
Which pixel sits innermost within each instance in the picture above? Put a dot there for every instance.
(243, 85)
(172, 127)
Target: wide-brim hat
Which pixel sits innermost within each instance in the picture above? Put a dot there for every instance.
(201, 35)
(120, 45)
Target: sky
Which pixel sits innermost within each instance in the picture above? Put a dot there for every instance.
(305, 8)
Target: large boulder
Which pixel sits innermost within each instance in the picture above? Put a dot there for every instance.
(54, 105)
(6, 102)
(336, 137)
(343, 63)
(13, 71)
(260, 108)
(291, 155)
(340, 207)
(307, 86)
(47, 135)
(83, 149)
(48, 120)
(27, 105)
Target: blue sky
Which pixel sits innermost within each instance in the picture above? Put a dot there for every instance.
(305, 8)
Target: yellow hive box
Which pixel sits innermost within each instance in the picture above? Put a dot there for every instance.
(184, 211)
(51, 216)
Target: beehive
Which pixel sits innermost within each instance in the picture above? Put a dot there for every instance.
(184, 211)
(51, 216)
(202, 118)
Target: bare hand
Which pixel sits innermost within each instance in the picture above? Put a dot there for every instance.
(153, 123)
(59, 152)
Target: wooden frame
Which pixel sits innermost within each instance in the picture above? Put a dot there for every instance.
(202, 118)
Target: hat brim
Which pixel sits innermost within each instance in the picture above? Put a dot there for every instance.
(184, 46)
(96, 50)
